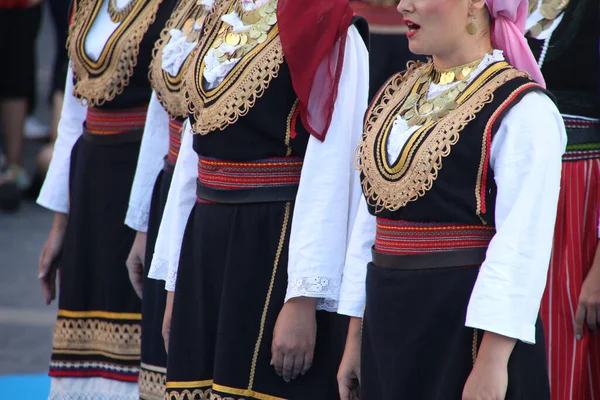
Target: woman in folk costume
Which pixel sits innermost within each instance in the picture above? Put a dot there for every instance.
(460, 165)
(158, 153)
(276, 96)
(96, 349)
(564, 34)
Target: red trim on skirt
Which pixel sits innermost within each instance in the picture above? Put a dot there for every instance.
(574, 366)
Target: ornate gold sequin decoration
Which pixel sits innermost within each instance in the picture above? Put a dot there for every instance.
(215, 109)
(97, 336)
(152, 381)
(168, 87)
(393, 186)
(97, 82)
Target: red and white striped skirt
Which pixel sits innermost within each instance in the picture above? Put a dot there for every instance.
(574, 366)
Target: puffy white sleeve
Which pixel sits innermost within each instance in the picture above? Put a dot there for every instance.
(54, 194)
(362, 239)
(154, 146)
(180, 201)
(329, 190)
(526, 159)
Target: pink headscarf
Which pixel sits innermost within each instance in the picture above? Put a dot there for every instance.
(508, 29)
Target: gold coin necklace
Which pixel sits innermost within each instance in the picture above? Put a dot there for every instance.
(259, 22)
(193, 25)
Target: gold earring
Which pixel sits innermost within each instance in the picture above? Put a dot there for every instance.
(471, 27)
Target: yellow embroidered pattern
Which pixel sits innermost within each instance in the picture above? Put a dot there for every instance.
(222, 106)
(100, 81)
(392, 187)
(167, 87)
(96, 336)
(152, 382)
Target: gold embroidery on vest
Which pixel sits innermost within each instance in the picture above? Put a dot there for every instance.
(168, 87)
(217, 108)
(393, 186)
(100, 81)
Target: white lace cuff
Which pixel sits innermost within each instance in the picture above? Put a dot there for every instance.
(137, 219)
(158, 269)
(171, 280)
(325, 289)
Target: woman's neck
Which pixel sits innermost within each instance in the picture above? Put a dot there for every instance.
(462, 55)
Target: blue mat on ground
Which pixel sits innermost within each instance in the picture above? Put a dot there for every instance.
(24, 387)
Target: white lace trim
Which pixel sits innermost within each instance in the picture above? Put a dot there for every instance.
(137, 219)
(94, 365)
(177, 50)
(158, 269)
(401, 131)
(325, 289)
(92, 389)
(215, 71)
(327, 305)
(171, 280)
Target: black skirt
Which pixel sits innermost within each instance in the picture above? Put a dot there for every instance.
(416, 346)
(98, 330)
(231, 285)
(153, 371)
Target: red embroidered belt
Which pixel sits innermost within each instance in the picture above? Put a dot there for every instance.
(175, 131)
(415, 245)
(583, 138)
(267, 180)
(111, 122)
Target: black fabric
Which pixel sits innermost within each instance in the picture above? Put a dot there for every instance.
(388, 54)
(223, 283)
(261, 133)
(154, 296)
(18, 33)
(415, 344)
(452, 197)
(93, 274)
(253, 195)
(572, 62)
(138, 91)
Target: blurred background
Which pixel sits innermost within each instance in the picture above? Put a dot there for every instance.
(26, 323)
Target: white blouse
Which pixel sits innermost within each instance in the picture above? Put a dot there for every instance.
(526, 159)
(54, 194)
(326, 203)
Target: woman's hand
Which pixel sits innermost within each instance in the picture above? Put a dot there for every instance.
(348, 376)
(135, 263)
(489, 378)
(48, 262)
(166, 325)
(588, 309)
(294, 338)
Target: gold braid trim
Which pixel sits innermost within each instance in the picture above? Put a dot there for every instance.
(168, 88)
(152, 381)
(101, 81)
(421, 167)
(87, 336)
(236, 95)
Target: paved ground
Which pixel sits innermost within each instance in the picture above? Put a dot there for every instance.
(25, 322)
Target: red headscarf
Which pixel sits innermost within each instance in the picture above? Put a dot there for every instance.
(313, 37)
